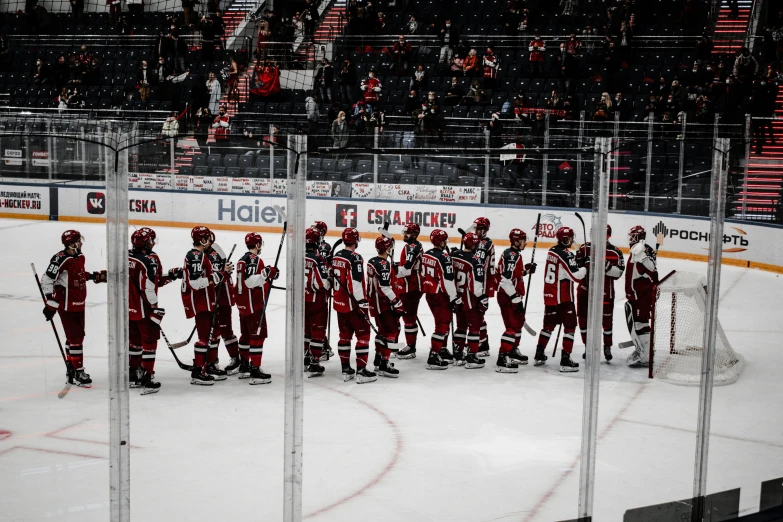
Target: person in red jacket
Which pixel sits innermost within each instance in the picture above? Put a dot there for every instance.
(252, 290)
(199, 284)
(512, 270)
(402, 52)
(491, 63)
(371, 87)
(222, 126)
(537, 48)
(385, 306)
(442, 297)
(409, 281)
(318, 283)
(352, 308)
(65, 286)
(145, 314)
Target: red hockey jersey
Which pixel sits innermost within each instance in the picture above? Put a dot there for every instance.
(143, 282)
(66, 280)
(372, 89)
(219, 265)
(642, 273)
(409, 277)
(511, 272)
(559, 274)
(348, 271)
(438, 273)
(486, 253)
(317, 280)
(469, 272)
(615, 266)
(252, 286)
(198, 284)
(381, 281)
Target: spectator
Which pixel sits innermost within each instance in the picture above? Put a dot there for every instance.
(61, 73)
(124, 28)
(495, 126)
(199, 96)
(624, 37)
(208, 36)
(215, 93)
(662, 89)
(361, 116)
(554, 103)
(340, 131)
(491, 67)
(569, 71)
(695, 76)
(233, 82)
(311, 106)
(670, 109)
(222, 126)
(62, 99)
(204, 121)
(178, 49)
(324, 78)
(377, 120)
(622, 107)
(458, 65)
(187, 10)
(333, 111)
(536, 47)
(573, 45)
(455, 93)
(652, 109)
(419, 79)
(298, 26)
(745, 69)
(603, 110)
(371, 87)
(402, 51)
(475, 94)
(704, 112)
(704, 49)
(471, 64)
(510, 19)
(412, 26)
(171, 127)
(76, 100)
(679, 94)
(115, 8)
(143, 80)
(84, 56)
(161, 76)
(77, 9)
(347, 78)
(411, 102)
(448, 36)
(41, 73)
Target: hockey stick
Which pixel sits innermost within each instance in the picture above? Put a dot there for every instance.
(171, 349)
(68, 365)
(527, 327)
(327, 346)
(584, 230)
(557, 339)
(280, 212)
(658, 242)
(218, 294)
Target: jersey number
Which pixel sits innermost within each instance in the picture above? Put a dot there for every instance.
(550, 274)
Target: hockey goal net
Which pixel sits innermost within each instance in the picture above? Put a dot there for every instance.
(676, 340)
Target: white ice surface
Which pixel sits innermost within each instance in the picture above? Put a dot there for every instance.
(457, 445)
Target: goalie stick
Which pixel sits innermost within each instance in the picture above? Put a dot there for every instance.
(68, 365)
(280, 212)
(384, 231)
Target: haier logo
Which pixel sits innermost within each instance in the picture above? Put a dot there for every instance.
(345, 216)
(96, 203)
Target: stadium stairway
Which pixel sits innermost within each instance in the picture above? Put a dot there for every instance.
(235, 13)
(332, 23)
(730, 32)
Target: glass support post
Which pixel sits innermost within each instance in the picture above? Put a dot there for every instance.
(580, 143)
(746, 167)
(681, 165)
(485, 197)
(648, 178)
(545, 161)
(376, 142)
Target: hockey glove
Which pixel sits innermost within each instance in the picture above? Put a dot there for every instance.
(271, 272)
(455, 304)
(98, 277)
(228, 267)
(175, 273)
(483, 303)
(217, 278)
(157, 315)
(364, 307)
(530, 268)
(397, 307)
(48, 311)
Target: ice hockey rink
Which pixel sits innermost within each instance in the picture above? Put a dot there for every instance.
(409, 449)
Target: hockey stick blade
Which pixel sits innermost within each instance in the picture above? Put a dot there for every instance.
(625, 344)
(65, 390)
(219, 250)
(384, 230)
(281, 212)
(529, 330)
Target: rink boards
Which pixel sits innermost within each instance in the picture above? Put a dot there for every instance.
(746, 245)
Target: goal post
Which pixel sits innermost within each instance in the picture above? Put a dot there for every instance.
(677, 334)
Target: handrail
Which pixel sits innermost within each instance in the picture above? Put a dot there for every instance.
(755, 17)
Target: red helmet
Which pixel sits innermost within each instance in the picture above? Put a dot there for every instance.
(438, 236)
(321, 227)
(411, 228)
(564, 233)
(201, 234)
(141, 237)
(471, 240)
(71, 236)
(517, 234)
(383, 243)
(482, 225)
(313, 235)
(636, 234)
(253, 240)
(351, 236)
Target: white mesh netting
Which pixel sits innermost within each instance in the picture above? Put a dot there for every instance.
(678, 333)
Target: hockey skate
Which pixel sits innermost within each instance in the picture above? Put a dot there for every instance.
(217, 374)
(348, 373)
(134, 376)
(459, 357)
(327, 353)
(257, 376)
(244, 369)
(82, 379)
(409, 352)
(434, 362)
(198, 376)
(567, 364)
(364, 375)
(377, 361)
(540, 358)
(387, 369)
(149, 384)
(232, 368)
(506, 364)
(472, 362)
(315, 370)
(637, 359)
(445, 355)
(608, 353)
(483, 349)
(516, 356)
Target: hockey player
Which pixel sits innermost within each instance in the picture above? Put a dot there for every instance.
(324, 248)
(615, 265)
(198, 298)
(640, 280)
(145, 277)
(409, 281)
(512, 271)
(252, 291)
(224, 323)
(442, 297)
(469, 273)
(65, 286)
(559, 274)
(486, 253)
(385, 306)
(317, 286)
(351, 308)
